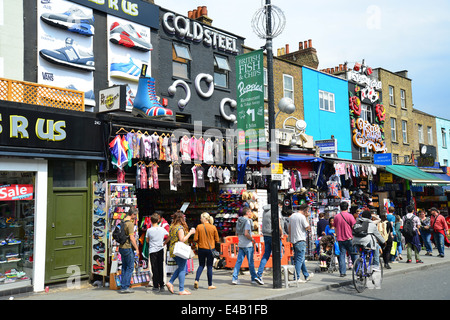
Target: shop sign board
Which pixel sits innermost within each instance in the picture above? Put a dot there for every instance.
(250, 98)
(386, 177)
(140, 12)
(113, 99)
(383, 159)
(14, 192)
(327, 146)
(27, 129)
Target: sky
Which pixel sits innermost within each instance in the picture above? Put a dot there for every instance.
(395, 35)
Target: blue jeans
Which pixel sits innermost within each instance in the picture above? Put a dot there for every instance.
(376, 256)
(266, 255)
(426, 237)
(439, 240)
(180, 273)
(345, 246)
(245, 252)
(127, 256)
(205, 257)
(299, 259)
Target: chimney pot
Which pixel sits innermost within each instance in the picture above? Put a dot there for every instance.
(287, 49)
(204, 11)
(310, 43)
(305, 44)
(300, 45)
(341, 67)
(190, 14)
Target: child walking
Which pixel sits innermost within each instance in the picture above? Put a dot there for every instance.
(155, 237)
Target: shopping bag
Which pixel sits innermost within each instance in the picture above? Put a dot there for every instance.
(394, 248)
(182, 250)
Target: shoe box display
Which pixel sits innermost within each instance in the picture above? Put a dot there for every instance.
(99, 229)
(16, 240)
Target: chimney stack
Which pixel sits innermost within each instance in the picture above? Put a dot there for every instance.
(201, 15)
(306, 55)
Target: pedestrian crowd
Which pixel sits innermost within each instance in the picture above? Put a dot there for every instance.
(387, 235)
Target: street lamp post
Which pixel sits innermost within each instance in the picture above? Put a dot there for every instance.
(272, 29)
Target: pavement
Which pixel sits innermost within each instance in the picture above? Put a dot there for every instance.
(227, 291)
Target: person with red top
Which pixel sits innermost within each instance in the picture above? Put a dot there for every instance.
(343, 223)
(440, 229)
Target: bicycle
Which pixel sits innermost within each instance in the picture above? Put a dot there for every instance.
(363, 269)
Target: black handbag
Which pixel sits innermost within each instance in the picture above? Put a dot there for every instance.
(215, 253)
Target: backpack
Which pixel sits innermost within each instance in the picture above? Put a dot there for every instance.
(408, 228)
(360, 229)
(119, 233)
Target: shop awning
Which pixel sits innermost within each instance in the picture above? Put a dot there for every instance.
(417, 176)
(443, 176)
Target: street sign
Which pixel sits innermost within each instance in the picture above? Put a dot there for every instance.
(382, 159)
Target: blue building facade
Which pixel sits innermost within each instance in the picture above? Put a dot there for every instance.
(326, 109)
(443, 141)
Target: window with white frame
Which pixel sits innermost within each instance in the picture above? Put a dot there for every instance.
(405, 131)
(326, 101)
(288, 86)
(395, 158)
(394, 129)
(444, 138)
(181, 60)
(420, 131)
(430, 135)
(391, 96)
(366, 113)
(403, 98)
(221, 71)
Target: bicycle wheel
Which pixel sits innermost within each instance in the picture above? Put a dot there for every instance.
(359, 275)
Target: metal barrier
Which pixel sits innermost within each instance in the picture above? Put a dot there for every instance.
(229, 250)
(42, 95)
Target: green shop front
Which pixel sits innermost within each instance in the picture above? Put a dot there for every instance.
(48, 161)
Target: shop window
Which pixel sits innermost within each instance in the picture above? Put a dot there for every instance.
(17, 194)
(221, 71)
(69, 174)
(182, 58)
(326, 101)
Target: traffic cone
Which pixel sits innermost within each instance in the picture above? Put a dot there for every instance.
(146, 103)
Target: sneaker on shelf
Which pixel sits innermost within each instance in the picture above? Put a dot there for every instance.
(127, 68)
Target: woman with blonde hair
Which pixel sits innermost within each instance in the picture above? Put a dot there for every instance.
(206, 236)
(178, 232)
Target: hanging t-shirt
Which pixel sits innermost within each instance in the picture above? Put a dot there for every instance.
(185, 149)
(200, 171)
(208, 152)
(200, 148)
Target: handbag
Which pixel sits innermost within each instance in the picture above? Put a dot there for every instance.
(182, 250)
(394, 248)
(215, 253)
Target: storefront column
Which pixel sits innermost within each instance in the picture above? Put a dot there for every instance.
(40, 167)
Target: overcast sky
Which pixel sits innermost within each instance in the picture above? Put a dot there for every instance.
(395, 35)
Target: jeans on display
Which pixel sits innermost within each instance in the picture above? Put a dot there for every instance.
(205, 257)
(345, 246)
(299, 259)
(180, 273)
(245, 252)
(267, 253)
(127, 256)
(440, 242)
(426, 237)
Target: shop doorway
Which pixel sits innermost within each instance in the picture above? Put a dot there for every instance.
(68, 221)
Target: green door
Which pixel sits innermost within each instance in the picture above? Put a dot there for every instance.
(67, 236)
